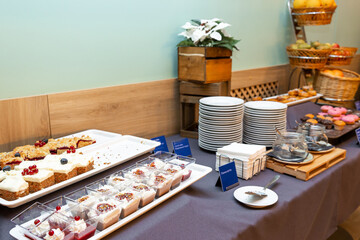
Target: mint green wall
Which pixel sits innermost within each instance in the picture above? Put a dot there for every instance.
(49, 46)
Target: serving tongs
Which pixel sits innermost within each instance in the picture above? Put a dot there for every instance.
(262, 193)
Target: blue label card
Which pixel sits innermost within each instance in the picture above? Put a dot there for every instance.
(357, 105)
(182, 147)
(358, 134)
(228, 176)
(163, 145)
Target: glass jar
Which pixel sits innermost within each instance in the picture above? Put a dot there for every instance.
(313, 133)
(290, 146)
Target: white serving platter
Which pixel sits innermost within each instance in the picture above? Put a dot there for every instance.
(127, 147)
(198, 172)
(308, 99)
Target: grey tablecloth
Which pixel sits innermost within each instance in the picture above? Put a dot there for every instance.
(305, 210)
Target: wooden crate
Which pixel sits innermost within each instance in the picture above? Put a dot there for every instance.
(190, 94)
(204, 64)
(308, 171)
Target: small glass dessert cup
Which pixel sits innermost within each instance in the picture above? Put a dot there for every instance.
(184, 163)
(106, 211)
(290, 146)
(137, 173)
(81, 198)
(164, 156)
(146, 193)
(118, 181)
(151, 163)
(79, 226)
(161, 182)
(129, 200)
(34, 221)
(315, 137)
(101, 188)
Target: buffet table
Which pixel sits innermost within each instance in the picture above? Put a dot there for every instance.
(305, 210)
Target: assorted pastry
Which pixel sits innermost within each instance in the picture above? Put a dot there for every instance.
(292, 95)
(79, 214)
(32, 176)
(332, 117)
(43, 148)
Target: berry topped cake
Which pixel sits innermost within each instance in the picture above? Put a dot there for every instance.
(83, 162)
(38, 179)
(10, 159)
(84, 141)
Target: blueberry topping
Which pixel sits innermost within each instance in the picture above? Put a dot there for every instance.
(64, 161)
(45, 140)
(17, 154)
(6, 168)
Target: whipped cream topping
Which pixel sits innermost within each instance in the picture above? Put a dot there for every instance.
(41, 229)
(158, 180)
(40, 164)
(39, 177)
(77, 226)
(79, 160)
(2, 175)
(58, 235)
(14, 184)
(119, 182)
(157, 164)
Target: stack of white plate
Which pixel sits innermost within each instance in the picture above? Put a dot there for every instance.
(260, 119)
(220, 121)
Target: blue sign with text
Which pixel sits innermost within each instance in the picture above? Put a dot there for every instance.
(357, 104)
(163, 145)
(228, 176)
(182, 147)
(358, 134)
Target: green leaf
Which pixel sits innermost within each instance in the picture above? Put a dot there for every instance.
(196, 21)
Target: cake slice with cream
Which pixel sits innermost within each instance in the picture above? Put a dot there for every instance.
(13, 187)
(38, 178)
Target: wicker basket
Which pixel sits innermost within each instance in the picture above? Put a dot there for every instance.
(341, 56)
(338, 88)
(313, 16)
(308, 58)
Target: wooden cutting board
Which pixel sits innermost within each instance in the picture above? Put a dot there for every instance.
(305, 172)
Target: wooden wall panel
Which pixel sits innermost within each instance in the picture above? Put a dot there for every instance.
(247, 78)
(144, 109)
(23, 121)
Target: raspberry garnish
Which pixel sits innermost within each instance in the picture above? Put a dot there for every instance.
(36, 222)
(58, 208)
(77, 218)
(51, 232)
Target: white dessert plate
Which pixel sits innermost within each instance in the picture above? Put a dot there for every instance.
(263, 105)
(221, 121)
(236, 117)
(198, 172)
(221, 101)
(106, 155)
(255, 201)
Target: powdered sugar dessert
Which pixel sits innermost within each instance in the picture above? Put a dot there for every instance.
(13, 187)
(147, 193)
(129, 201)
(107, 212)
(160, 182)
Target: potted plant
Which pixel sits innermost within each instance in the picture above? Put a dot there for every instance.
(205, 53)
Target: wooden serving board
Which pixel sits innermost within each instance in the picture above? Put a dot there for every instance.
(308, 171)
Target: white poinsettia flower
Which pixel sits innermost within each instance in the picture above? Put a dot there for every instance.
(224, 32)
(188, 25)
(210, 24)
(221, 26)
(197, 34)
(216, 36)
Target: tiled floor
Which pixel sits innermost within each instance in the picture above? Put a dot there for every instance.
(350, 229)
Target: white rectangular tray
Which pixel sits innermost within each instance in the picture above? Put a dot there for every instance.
(127, 147)
(198, 172)
(319, 95)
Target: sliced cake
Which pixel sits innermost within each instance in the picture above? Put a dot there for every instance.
(13, 187)
(38, 179)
